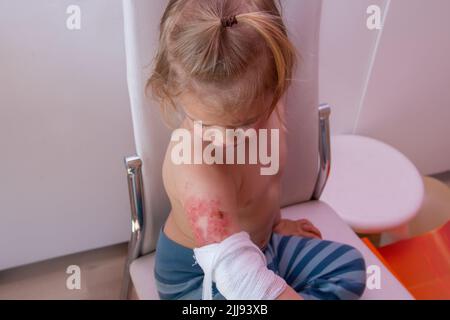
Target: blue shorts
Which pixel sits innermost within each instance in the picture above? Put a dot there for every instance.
(316, 269)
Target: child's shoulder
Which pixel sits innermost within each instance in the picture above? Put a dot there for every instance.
(185, 179)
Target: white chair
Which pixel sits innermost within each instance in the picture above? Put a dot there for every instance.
(308, 140)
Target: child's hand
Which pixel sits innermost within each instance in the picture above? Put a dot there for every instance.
(300, 228)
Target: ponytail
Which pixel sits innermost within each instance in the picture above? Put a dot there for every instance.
(272, 30)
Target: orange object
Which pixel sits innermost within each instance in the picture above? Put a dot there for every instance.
(422, 263)
(375, 251)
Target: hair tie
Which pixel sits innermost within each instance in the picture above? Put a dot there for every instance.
(229, 21)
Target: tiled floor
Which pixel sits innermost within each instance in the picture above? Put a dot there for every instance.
(102, 269)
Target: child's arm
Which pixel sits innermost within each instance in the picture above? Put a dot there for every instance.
(209, 199)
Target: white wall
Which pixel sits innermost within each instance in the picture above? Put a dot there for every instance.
(346, 48)
(408, 97)
(65, 126)
(390, 85)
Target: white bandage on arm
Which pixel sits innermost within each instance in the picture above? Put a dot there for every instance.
(238, 267)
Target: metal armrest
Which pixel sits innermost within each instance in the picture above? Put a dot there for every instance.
(324, 150)
(135, 190)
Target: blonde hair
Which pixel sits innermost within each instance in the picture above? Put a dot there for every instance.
(230, 69)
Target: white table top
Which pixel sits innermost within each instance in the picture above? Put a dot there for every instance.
(372, 186)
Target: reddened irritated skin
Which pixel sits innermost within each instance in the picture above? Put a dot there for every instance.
(208, 204)
(209, 222)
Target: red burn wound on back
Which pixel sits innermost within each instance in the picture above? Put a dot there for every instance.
(208, 222)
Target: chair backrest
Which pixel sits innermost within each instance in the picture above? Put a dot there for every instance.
(141, 23)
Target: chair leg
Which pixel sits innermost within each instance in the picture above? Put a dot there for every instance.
(133, 253)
